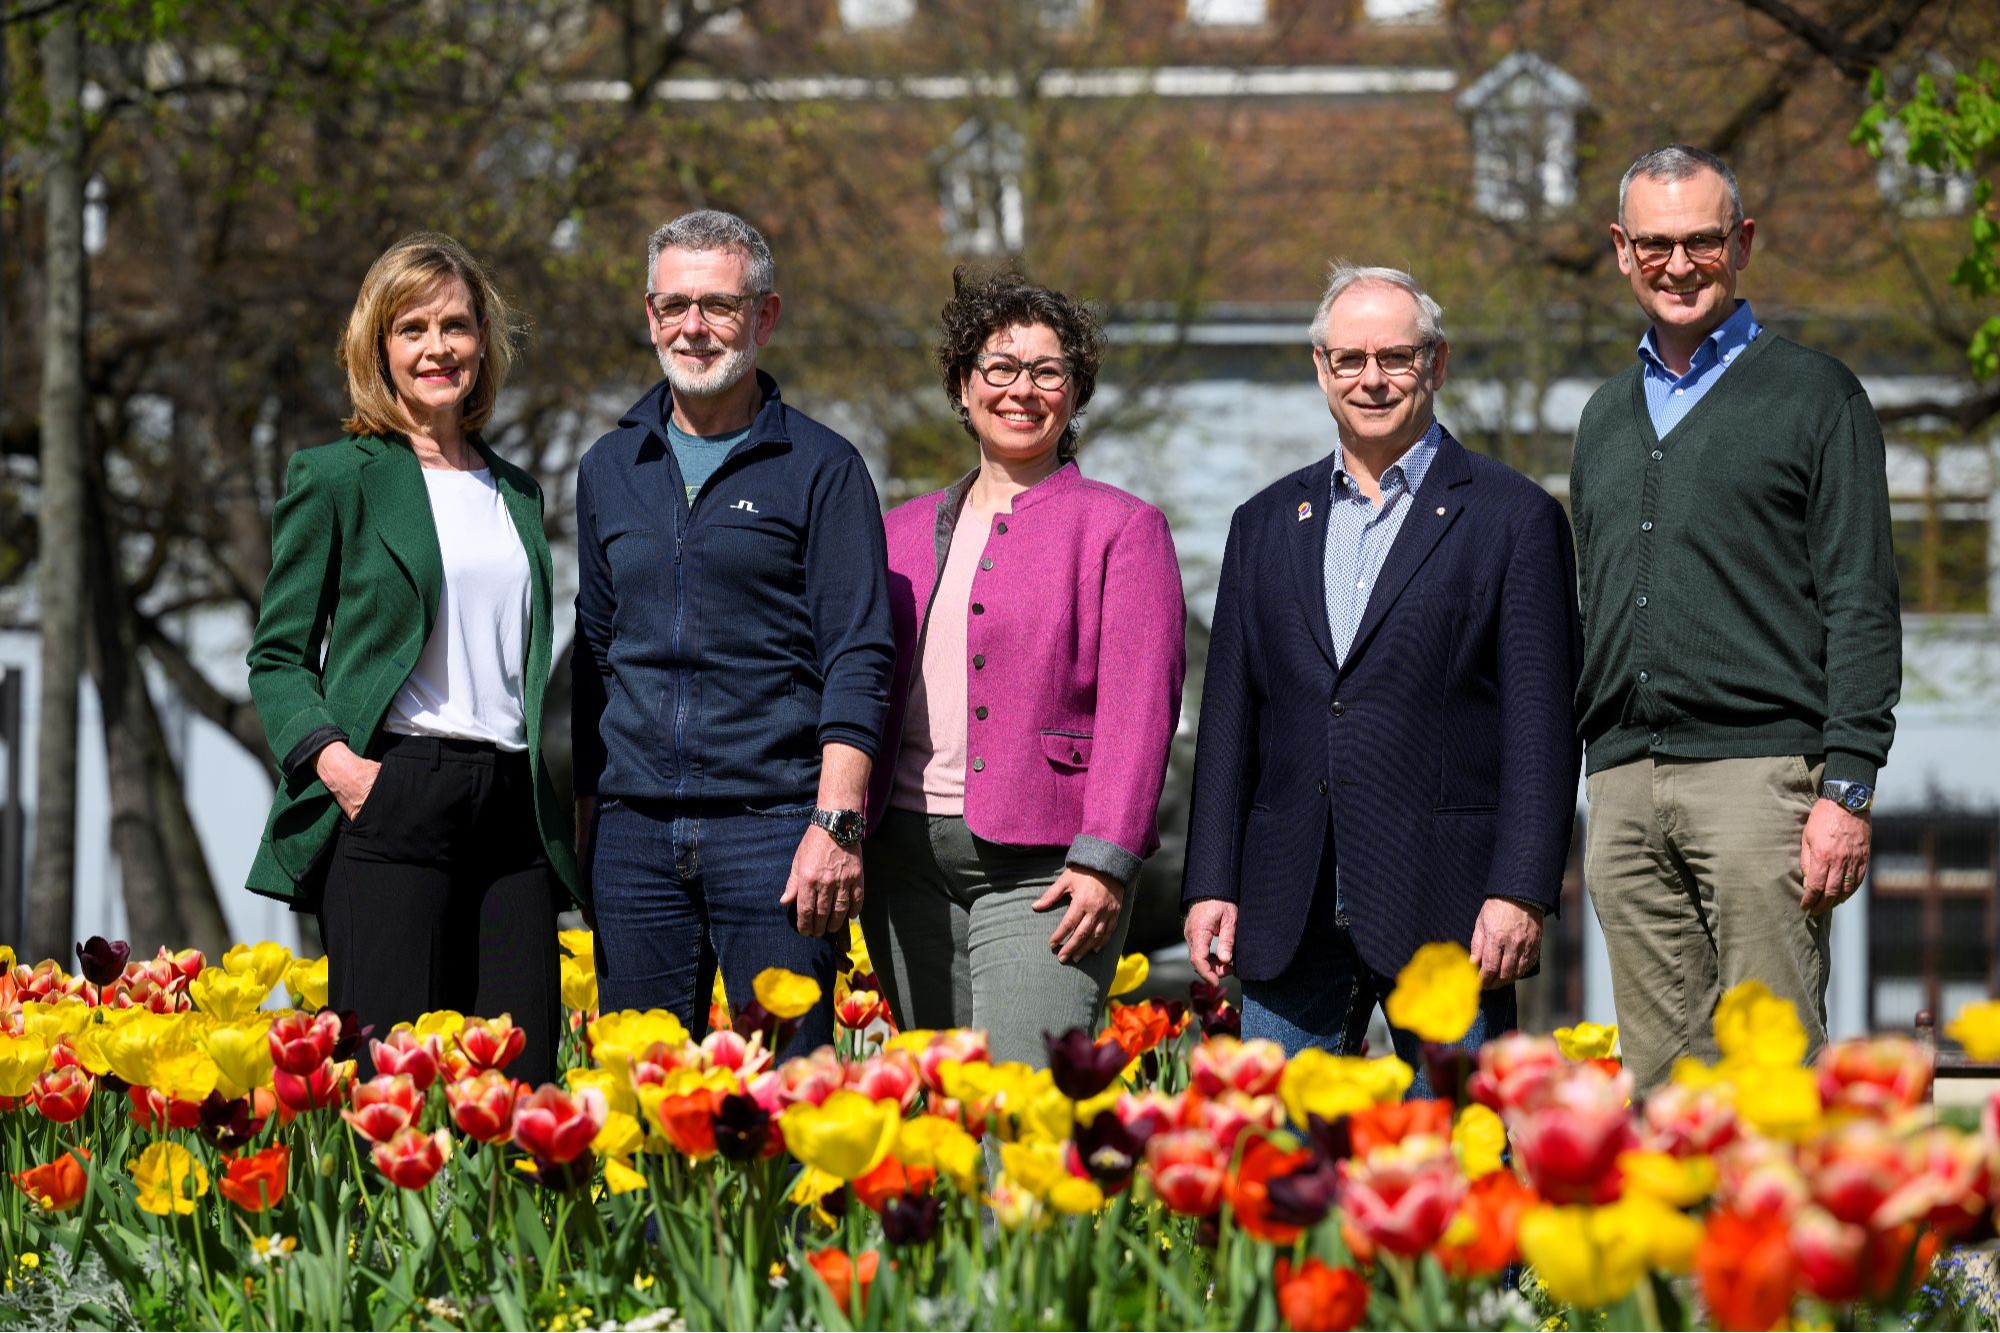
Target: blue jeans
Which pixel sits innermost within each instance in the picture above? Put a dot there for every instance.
(1327, 994)
(678, 889)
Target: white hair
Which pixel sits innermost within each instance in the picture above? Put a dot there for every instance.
(1341, 276)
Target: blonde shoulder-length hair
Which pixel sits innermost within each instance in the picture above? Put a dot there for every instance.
(407, 272)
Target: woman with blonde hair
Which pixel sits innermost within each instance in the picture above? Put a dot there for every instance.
(399, 663)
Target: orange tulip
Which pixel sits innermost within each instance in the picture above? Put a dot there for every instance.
(1248, 1190)
(842, 1274)
(1391, 1122)
(57, 1186)
(257, 1182)
(890, 1179)
(1138, 1027)
(1485, 1236)
(688, 1121)
(1746, 1269)
(1317, 1296)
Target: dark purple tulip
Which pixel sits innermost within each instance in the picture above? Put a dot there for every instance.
(1226, 1021)
(1448, 1068)
(102, 960)
(228, 1124)
(1332, 1139)
(353, 1036)
(1302, 1197)
(754, 1017)
(1207, 995)
(910, 1219)
(1081, 1066)
(742, 1128)
(564, 1177)
(1109, 1149)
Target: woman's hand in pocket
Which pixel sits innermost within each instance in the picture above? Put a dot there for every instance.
(1094, 903)
(348, 776)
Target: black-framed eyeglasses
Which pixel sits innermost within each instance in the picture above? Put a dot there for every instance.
(1047, 373)
(716, 307)
(1702, 248)
(1348, 363)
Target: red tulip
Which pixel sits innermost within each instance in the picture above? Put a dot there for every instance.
(1491, 1213)
(959, 1044)
(404, 1052)
(1853, 1171)
(555, 1126)
(1317, 1296)
(1685, 1121)
(483, 1105)
(384, 1106)
(1513, 1068)
(1187, 1171)
(491, 1043)
(1951, 1175)
(1224, 1064)
(806, 1078)
(889, 1077)
(1839, 1262)
(56, 1186)
(1248, 1190)
(688, 1121)
(858, 1008)
(62, 1093)
(847, 1280)
(1402, 1198)
(302, 1043)
(1391, 1122)
(1873, 1076)
(411, 1158)
(256, 1182)
(1569, 1132)
(1746, 1270)
(725, 1049)
(156, 1111)
(320, 1086)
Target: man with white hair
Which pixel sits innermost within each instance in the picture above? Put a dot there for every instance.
(1386, 756)
(732, 656)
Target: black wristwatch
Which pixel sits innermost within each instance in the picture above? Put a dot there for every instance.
(1855, 796)
(843, 826)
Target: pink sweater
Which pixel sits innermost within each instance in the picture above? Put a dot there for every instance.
(1076, 646)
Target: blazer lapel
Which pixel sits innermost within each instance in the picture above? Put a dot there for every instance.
(1307, 538)
(1433, 511)
(401, 508)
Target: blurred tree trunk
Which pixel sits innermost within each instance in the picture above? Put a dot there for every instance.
(52, 883)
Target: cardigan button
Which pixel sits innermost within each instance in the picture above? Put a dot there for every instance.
(1658, 455)
(1322, 786)
(1001, 528)
(978, 661)
(978, 608)
(986, 564)
(1647, 526)
(978, 765)
(980, 712)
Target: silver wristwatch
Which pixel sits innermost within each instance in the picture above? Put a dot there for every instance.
(843, 826)
(1854, 796)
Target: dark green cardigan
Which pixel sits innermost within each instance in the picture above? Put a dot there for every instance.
(1737, 578)
(355, 574)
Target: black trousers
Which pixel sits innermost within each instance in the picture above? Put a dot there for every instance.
(439, 896)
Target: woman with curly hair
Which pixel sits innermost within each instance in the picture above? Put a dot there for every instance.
(1040, 648)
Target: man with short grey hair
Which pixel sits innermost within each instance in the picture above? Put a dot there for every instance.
(1387, 757)
(732, 655)
(1743, 642)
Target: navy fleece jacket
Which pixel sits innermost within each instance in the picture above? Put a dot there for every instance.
(719, 647)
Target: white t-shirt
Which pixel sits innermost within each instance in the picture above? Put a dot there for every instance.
(468, 685)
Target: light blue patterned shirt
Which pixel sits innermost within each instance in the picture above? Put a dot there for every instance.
(1359, 533)
(1669, 397)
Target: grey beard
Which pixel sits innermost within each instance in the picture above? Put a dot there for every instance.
(723, 377)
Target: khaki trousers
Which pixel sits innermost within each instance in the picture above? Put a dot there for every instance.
(1693, 867)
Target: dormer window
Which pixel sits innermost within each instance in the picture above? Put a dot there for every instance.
(1402, 11)
(1226, 13)
(1523, 114)
(979, 175)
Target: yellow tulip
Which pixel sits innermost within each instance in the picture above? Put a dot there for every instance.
(847, 1135)
(1665, 1236)
(182, 1069)
(1682, 1182)
(306, 980)
(620, 1037)
(812, 1187)
(230, 996)
(858, 959)
(1779, 1103)
(1437, 993)
(129, 1047)
(1756, 1027)
(1035, 1167)
(577, 943)
(21, 1063)
(6, 958)
(913, 1041)
(1075, 1196)
(50, 1023)
(1478, 1140)
(1586, 1258)
(939, 1142)
(1977, 1029)
(1014, 1208)
(579, 983)
(1330, 1086)
(265, 961)
(444, 1024)
(169, 1179)
(1133, 969)
(617, 1088)
(785, 994)
(621, 1136)
(1588, 1041)
(620, 1178)
(242, 1056)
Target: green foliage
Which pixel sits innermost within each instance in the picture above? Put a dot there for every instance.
(1956, 131)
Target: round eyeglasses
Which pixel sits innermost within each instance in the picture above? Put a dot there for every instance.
(1047, 373)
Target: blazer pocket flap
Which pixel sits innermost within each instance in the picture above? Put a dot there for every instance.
(1066, 749)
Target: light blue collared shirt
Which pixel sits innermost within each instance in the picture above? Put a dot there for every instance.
(1359, 533)
(1669, 397)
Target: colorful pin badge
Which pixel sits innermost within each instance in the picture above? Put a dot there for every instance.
(1305, 510)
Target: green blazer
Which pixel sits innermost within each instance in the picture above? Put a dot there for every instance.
(348, 607)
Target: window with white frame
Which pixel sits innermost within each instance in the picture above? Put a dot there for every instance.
(1226, 13)
(1523, 114)
(1403, 11)
(873, 15)
(979, 188)
(1061, 15)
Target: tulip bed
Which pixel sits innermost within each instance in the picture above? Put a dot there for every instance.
(185, 1155)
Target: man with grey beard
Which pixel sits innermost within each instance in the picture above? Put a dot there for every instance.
(732, 657)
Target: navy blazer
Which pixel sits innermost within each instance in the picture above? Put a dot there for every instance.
(1441, 757)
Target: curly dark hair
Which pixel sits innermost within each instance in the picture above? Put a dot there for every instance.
(982, 304)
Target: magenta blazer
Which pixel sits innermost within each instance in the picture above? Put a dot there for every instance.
(1076, 646)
